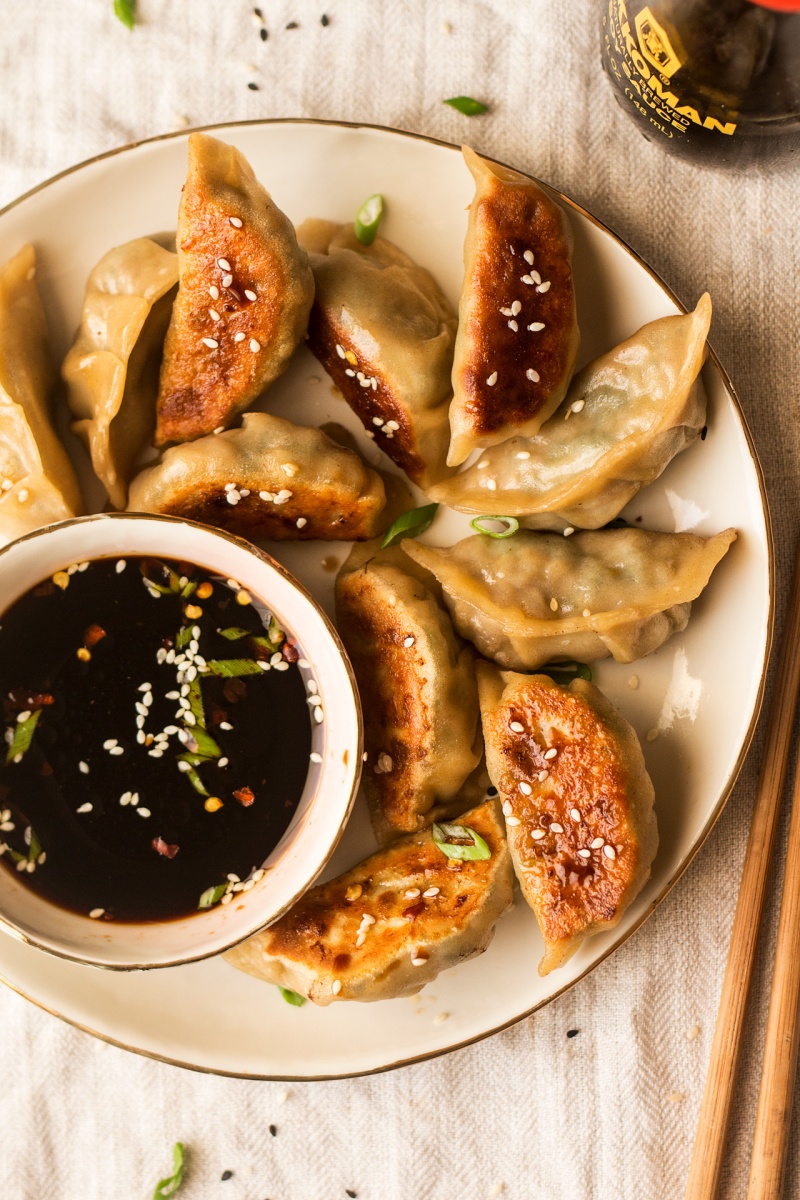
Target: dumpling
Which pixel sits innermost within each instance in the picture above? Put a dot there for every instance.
(244, 296)
(270, 480)
(38, 484)
(416, 679)
(111, 371)
(391, 924)
(537, 597)
(384, 331)
(517, 327)
(577, 799)
(625, 417)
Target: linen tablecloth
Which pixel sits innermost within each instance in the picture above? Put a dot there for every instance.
(528, 1113)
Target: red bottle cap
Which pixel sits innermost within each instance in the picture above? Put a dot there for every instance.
(779, 5)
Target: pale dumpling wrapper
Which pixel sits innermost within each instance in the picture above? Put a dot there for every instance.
(578, 803)
(111, 371)
(270, 479)
(539, 597)
(416, 679)
(39, 485)
(517, 324)
(244, 296)
(384, 331)
(625, 417)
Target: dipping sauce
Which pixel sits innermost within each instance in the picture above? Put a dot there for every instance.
(158, 734)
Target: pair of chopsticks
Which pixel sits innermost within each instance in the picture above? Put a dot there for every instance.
(774, 1115)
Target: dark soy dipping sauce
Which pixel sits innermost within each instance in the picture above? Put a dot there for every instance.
(77, 650)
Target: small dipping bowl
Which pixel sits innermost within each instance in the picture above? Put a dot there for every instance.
(330, 787)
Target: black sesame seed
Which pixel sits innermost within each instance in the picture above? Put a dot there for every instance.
(263, 34)
(492, 791)
(325, 20)
(273, 1130)
(349, 1192)
(226, 1175)
(253, 87)
(258, 13)
(293, 25)
(573, 1033)
(703, 433)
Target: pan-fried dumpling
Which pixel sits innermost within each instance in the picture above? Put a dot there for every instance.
(577, 799)
(270, 480)
(416, 679)
(625, 417)
(37, 482)
(384, 331)
(517, 327)
(538, 597)
(111, 371)
(244, 296)
(391, 924)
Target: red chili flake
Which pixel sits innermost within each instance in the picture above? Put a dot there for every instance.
(245, 796)
(414, 911)
(290, 652)
(217, 715)
(93, 635)
(21, 699)
(164, 848)
(234, 690)
(46, 769)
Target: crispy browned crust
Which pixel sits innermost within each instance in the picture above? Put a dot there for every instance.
(570, 894)
(330, 517)
(324, 334)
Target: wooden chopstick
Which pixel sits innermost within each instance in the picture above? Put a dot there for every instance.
(774, 1116)
(715, 1109)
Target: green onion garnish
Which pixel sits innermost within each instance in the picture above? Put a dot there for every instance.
(234, 633)
(35, 847)
(229, 668)
(184, 637)
(567, 671)
(212, 895)
(459, 841)
(193, 777)
(410, 524)
(170, 1185)
(292, 997)
(467, 106)
(23, 736)
(125, 11)
(368, 218)
(511, 526)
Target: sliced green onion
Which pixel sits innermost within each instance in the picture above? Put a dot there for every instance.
(368, 218)
(170, 1185)
(292, 997)
(511, 523)
(184, 637)
(467, 106)
(212, 896)
(567, 671)
(193, 777)
(191, 587)
(229, 668)
(125, 11)
(234, 633)
(410, 524)
(23, 736)
(459, 841)
(35, 847)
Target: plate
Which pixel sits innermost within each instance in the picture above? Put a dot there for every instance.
(701, 691)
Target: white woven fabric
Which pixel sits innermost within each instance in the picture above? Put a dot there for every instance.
(611, 1112)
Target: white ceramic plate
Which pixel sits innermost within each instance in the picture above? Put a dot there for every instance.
(703, 688)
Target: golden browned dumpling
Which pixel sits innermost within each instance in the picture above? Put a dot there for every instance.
(384, 331)
(517, 328)
(244, 296)
(271, 480)
(391, 924)
(577, 799)
(416, 679)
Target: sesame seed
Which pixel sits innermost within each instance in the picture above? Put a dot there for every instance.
(238, 337)
(556, 828)
(491, 485)
(84, 808)
(430, 893)
(483, 463)
(125, 798)
(223, 264)
(226, 725)
(568, 532)
(336, 986)
(597, 843)
(609, 851)
(542, 776)
(512, 821)
(554, 604)
(532, 375)
(537, 835)
(526, 279)
(236, 222)
(528, 256)
(517, 727)
(340, 350)
(109, 743)
(266, 496)
(254, 345)
(213, 292)
(301, 522)
(536, 277)
(419, 959)
(408, 642)
(233, 497)
(525, 788)
(508, 808)
(585, 853)
(143, 812)
(96, 913)
(577, 406)
(377, 421)
(120, 567)
(303, 663)
(412, 893)
(227, 280)
(516, 308)
(22, 495)
(212, 343)
(535, 326)
(575, 814)
(212, 312)
(586, 612)
(544, 287)
(492, 380)
(514, 326)
(524, 454)
(506, 312)
(226, 899)
(315, 758)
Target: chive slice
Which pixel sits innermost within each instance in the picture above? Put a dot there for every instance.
(212, 895)
(169, 1186)
(567, 671)
(184, 637)
(512, 525)
(368, 218)
(229, 668)
(234, 633)
(459, 841)
(187, 591)
(292, 997)
(35, 847)
(467, 106)
(193, 777)
(23, 736)
(125, 11)
(410, 524)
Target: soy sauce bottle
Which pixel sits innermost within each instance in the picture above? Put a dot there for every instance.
(714, 81)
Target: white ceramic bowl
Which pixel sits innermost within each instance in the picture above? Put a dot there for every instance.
(330, 788)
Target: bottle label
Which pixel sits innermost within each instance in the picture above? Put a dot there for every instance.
(644, 57)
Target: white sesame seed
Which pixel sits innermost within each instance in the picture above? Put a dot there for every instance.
(267, 496)
(161, 655)
(318, 714)
(609, 851)
(362, 937)
(512, 821)
(419, 960)
(143, 812)
(233, 497)
(544, 287)
(184, 766)
(586, 612)
(492, 380)
(506, 312)
(84, 808)
(250, 294)
(524, 454)
(491, 485)
(22, 717)
(537, 835)
(532, 375)
(141, 709)
(340, 350)
(408, 642)
(226, 899)
(120, 567)
(96, 913)
(212, 343)
(83, 767)
(526, 279)
(303, 663)
(236, 222)
(555, 827)
(525, 788)
(223, 264)
(535, 326)
(516, 308)
(22, 495)
(254, 345)
(226, 725)
(227, 280)
(238, 337)
(141, 737)
(542, 776)
(432, 891)
(125, 799)
(575, 814)
(597, 843)
(508, 808)
(213, 292)
(577, 406)
(109, 743)
(336, 986)
(212, 312)
(514, 326)
(528, 256)
(554, 604)
(315, 758)
(585, 853)
(517, 727)
(568, 532)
